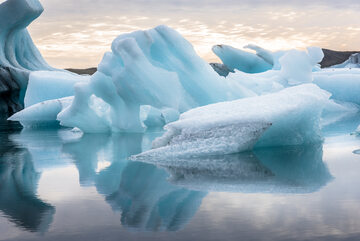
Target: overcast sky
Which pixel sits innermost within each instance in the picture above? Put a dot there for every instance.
(77, 33)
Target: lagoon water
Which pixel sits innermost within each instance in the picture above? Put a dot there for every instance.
(61, 185)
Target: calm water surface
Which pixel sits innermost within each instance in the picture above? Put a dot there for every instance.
(61, 185)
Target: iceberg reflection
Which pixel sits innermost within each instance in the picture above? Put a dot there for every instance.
(147, 197)
(292, 169)
(149, 202)
(140, 191)
(18, 186)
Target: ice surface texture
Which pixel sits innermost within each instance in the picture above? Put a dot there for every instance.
(18, 54)
(289, 117)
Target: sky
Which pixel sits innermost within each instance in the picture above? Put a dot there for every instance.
(77, 33)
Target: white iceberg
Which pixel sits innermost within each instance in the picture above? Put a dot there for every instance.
(289, 117)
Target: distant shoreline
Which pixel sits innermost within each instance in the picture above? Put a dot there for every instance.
(331, 57)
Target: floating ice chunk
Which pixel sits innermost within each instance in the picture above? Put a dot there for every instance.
(288, 117)
(316, 55)
(241, 60)
(264, 59)
(343, 84)
(42, 114)
(265, 54)
(48, 85)
(296, 67)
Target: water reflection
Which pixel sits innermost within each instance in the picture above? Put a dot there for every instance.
(148, 198)
(342, 125)
(150, 202)
(18, 187)
(293, 169)
(141, 192)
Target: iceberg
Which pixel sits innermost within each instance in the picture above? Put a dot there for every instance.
(43, 114)
(157, 67)
(288, 117)
(343, 84)
(18, 54)
(262, 60)
(241, 60)
(50, 85)
(147, 80)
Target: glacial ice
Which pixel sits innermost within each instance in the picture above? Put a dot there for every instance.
(288, 117)
(47, 94)
(343, 84)
(49, 85)
(263, 59)
(157, 67)
(241, 60)
(148, 79)
(42, 114)
(18, 54)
